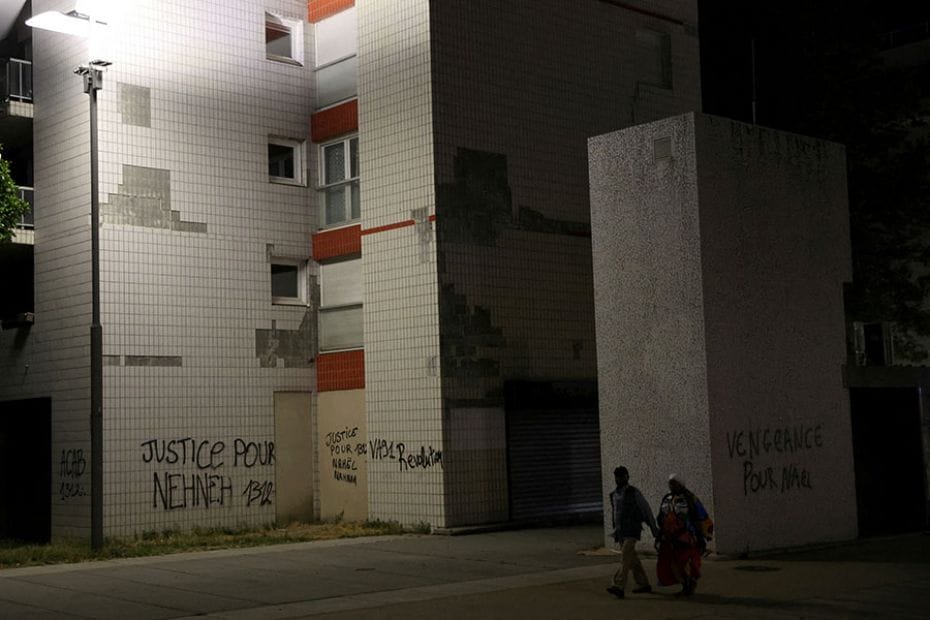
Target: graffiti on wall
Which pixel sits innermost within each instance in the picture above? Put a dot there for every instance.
(195, 473)
(345, 451)
(348, 451)
(407, 458)
(763, 452)
(71, 468)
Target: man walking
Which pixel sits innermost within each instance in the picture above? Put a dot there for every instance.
(630, 510)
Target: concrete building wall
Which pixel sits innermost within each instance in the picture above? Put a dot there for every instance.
(649, 306)
(775, 240)
(720, 250)
(194, 348)
(517, 90)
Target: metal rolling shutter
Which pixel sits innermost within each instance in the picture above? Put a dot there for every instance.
(554, 462)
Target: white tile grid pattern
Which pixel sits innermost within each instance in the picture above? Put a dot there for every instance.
(535, 94)
(215, 99)
(401, 321)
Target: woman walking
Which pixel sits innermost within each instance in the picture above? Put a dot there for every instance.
(684, 529)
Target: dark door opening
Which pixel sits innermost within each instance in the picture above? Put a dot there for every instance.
(889, 461)
(26, 470)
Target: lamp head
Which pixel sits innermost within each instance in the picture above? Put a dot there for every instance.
(77, 22)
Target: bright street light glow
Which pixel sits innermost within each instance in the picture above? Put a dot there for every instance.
(71, 23)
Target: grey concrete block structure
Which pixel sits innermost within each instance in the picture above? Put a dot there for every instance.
(719, 252)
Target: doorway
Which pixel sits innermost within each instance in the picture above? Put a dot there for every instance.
(26, 470)
(889, 461)
(294, 457)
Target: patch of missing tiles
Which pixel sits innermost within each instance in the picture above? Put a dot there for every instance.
(471, 342)
(135, 104)
(292, 348)
(144, 199)
(143, 360)
(534, 221)
(478, 204)
(424, 228)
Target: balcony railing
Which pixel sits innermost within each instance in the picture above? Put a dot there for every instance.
(16, 76)
(28, 221)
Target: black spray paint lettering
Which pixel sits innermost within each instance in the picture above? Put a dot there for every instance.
(204, 454)
(68, 490)
(342, 476)
(381, 449)
(204, 487)
(749, 445)
(347, 463)
(72, 463)
(793, 476)
(174, 491)
(345, 468)
(788, 440)
(252, 453)
(421, 459)
(71, 468)
(345, 448)
(347, 455)
(336, 439)
(260, 492)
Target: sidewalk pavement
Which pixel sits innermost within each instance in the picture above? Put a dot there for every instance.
(532, 573)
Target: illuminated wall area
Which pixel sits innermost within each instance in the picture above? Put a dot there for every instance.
(720, 253)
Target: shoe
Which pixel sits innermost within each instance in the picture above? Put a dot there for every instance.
(616, 591)
(643, 589)
(688, 587)
(692, 586)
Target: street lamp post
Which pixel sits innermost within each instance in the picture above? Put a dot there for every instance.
(80, 24)
(93, 81)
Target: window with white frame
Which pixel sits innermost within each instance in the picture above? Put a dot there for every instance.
(285, 160)
(288, 281)
(340, 313)
(336, 40)
(283, 39)
(339, 182)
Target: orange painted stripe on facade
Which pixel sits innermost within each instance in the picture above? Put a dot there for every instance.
(335, 243)
(321, 9)
(340, 371)
(334, 121)
(394, 226)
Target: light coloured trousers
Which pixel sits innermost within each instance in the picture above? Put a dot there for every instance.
(630, 561)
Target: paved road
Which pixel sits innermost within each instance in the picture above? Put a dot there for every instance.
(541, 573)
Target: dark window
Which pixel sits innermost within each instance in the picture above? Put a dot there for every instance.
(284, 281)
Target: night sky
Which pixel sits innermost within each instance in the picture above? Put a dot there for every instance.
(791, 38)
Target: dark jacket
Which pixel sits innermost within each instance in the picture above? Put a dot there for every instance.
(630, 510)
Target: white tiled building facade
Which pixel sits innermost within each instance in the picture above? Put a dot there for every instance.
(345, 256)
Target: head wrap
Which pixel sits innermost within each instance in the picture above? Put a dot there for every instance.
(677, 478)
